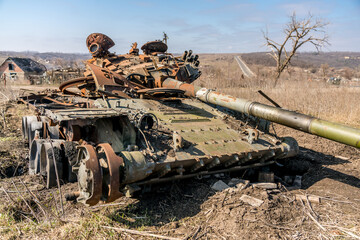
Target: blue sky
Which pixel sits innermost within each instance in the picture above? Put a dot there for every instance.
(205, 26)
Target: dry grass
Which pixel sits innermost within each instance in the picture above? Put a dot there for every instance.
(338, 104)
(297, 89)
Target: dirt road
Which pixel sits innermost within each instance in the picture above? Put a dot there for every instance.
(244, 68)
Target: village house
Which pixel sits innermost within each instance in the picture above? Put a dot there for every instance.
(20, 70)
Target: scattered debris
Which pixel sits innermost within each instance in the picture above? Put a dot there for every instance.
(334, 80)
(243, 184)
(265, 185)
(342, 158)
(234, 181)
(219, 186)
(255, 202)
(141, 233)
(311, 198)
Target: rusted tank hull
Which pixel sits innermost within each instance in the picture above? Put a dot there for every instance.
(125, 161)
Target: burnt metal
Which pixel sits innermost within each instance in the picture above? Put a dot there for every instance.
(154, 47)
(99, 44)
(113, 164)
(135, 119)
(90, 180)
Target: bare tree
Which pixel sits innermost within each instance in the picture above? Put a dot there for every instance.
(297, 33)
(348, 73)
(324, 69)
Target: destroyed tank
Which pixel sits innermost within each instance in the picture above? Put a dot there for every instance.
(136, 119)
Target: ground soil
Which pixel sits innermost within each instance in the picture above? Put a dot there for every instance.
(189, 209)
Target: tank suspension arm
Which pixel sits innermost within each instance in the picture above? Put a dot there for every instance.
(326, 129)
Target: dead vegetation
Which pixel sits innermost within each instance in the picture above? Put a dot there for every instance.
(12, 151)
(297, 33)
(186, 210)
(299, 89)
(191, 209)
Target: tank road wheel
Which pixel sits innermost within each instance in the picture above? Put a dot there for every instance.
(34, 156)
(70, 160)
(26, 123)
(47, 164)
(111, 163)
(23, 127)
(89, 176)
(34, 127)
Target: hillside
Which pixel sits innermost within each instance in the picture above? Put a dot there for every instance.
(53, 60)
(309, 59)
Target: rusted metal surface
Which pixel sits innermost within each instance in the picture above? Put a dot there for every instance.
(152, 47)
(134, 120)
(99, 44)
(114, 162)
(189, 89)
(77, 82)
(91, 182)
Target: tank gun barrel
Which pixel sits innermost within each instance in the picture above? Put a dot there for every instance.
(326, 129)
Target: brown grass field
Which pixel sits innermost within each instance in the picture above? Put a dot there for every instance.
(190, 209)
(297, 90)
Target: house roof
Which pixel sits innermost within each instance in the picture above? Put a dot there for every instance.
(2, 60)
(28, 65)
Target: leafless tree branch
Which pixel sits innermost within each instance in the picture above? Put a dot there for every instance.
(297, 33)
